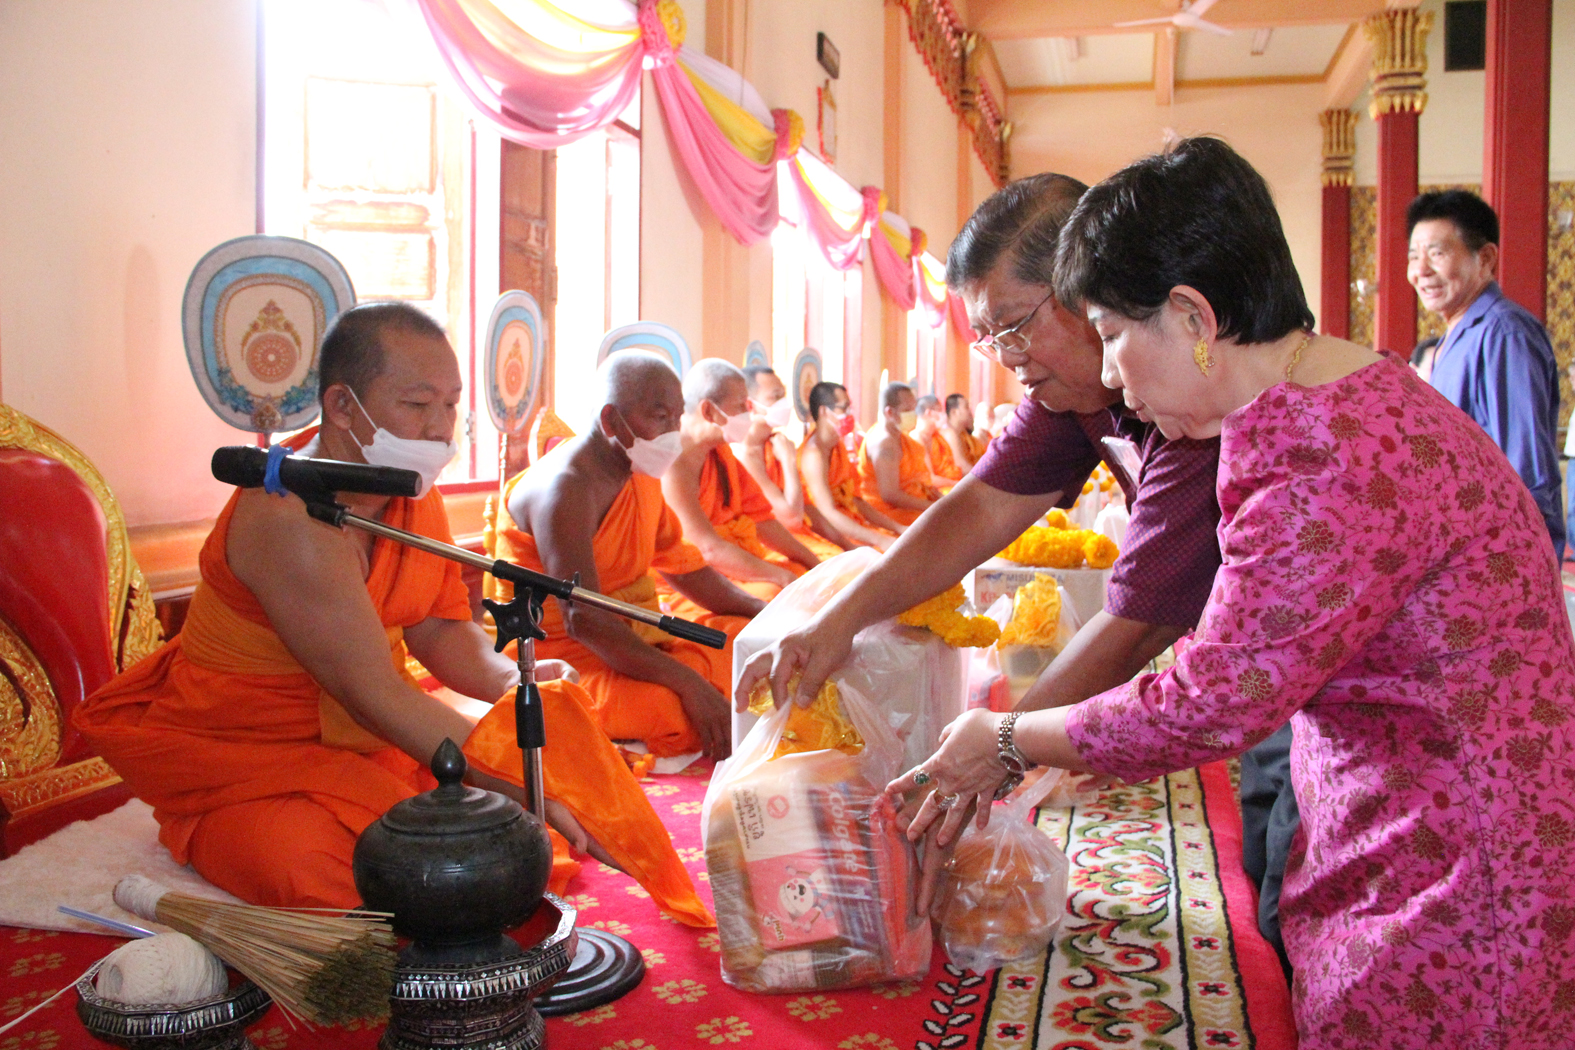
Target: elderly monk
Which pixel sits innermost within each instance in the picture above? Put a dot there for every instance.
(830, 478)
(282, 721)
(930, 433)
(894, 475)
(722, 509)
(957, 430)
(593, 506)
(1001, 264)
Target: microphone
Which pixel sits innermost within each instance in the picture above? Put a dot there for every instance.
(245, 466)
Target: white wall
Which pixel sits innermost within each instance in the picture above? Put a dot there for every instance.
(1089, 135)
(127, 132)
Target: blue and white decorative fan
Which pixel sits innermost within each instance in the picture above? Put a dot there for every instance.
(806, 373)
(755, 355)
(515, 360)
(254, 315)
(648, 335)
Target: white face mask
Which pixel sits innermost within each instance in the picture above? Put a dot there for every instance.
(906, 421)
(653, 456)
(780, 412)
(427, 458)
(736, 428)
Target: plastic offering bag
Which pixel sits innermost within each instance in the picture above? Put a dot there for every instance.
(814, 883)
(908, 674)
(1003, 893)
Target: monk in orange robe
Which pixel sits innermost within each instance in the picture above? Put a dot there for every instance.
(723, 511)
(282, 720)
(894, 475)
(593, 506)
(764, 452)
(830, 480)
(930, 433)
(957, 428)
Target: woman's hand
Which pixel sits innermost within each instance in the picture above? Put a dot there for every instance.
(813, 651)
(552, 670)
(964, 773)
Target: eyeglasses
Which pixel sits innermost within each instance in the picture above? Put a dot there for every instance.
(1010, 340)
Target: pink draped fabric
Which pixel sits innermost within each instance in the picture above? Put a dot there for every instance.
(538, 95)
(932, 308)
(741, 193)
(893, 271)
(959, 316)
(837, 243)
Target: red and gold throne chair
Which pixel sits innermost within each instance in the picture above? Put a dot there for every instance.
(74, 611)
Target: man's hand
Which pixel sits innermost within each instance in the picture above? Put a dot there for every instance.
(814, 651)
(707, 712)
(553, 670)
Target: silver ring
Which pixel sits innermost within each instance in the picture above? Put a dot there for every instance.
(921, 778)
(944, 802)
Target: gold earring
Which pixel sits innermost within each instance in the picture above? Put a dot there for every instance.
(1200, 354)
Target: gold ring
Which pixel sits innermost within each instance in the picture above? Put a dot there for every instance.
(921, 778)
(946, 801)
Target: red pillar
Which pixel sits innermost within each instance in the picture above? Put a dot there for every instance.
(1339, 157)
(1335, 307)
(1515, 144)
(1394, 316)
(1398, 78)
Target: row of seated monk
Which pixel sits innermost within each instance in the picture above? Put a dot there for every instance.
(282, 720)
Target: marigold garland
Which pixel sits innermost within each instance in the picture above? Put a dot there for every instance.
(1062, 548)
(940, 617)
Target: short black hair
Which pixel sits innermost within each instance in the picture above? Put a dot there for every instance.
(1473, 217)
(1197, 214)
(352, 351)
(954, 402)
(1023, 218)
(891, 394)
(753, 373)
(823, 395)
(927, 402)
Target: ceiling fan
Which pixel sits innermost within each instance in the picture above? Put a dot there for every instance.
(1189, 17)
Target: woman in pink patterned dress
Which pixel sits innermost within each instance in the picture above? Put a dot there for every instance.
(1388, 584)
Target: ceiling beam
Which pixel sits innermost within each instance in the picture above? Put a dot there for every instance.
(1347, 73)
(1011, 19)
(1165, 66)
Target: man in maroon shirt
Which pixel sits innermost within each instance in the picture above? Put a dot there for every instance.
(1001, 265)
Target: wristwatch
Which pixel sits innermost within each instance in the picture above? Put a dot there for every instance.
(1013, 760)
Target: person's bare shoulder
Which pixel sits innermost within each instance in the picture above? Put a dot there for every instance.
(273, 536)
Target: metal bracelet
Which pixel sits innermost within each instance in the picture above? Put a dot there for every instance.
(1014, 761)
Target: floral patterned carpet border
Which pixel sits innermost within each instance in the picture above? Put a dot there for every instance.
(1158, 950)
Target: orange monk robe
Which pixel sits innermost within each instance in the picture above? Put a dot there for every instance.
(639, 533)
(942, 462)
(262, 781)
(913, 476)
(734, 504)
(818, 545)
(842, 478)
(975, 445)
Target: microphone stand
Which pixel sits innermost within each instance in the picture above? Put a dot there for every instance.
(605, 966)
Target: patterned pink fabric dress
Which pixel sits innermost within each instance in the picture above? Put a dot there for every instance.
(1388, 578)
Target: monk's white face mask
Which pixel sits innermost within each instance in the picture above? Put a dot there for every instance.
(736, 428)
(427, 458)
(906, 421)
(780, 412)
(652, 456)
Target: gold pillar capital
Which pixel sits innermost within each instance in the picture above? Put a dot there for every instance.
(1339, 147)
(1399, 69)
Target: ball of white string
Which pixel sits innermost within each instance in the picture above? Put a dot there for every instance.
(165, 968)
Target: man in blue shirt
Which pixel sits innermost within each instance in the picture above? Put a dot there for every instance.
(1495, 361)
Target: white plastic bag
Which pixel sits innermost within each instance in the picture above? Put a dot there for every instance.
(912, 677)
(814, 883)
(1003, 893)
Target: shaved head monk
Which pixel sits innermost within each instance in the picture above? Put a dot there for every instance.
(594, 506)
(721, 507)
(957, 430)
(930, 434)
(830, 479)
(282, 721)
(770, 457)
(894, 473)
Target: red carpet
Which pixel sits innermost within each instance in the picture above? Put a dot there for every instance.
(1153, 953)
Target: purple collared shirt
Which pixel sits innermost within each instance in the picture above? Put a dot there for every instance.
(1166, 568)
